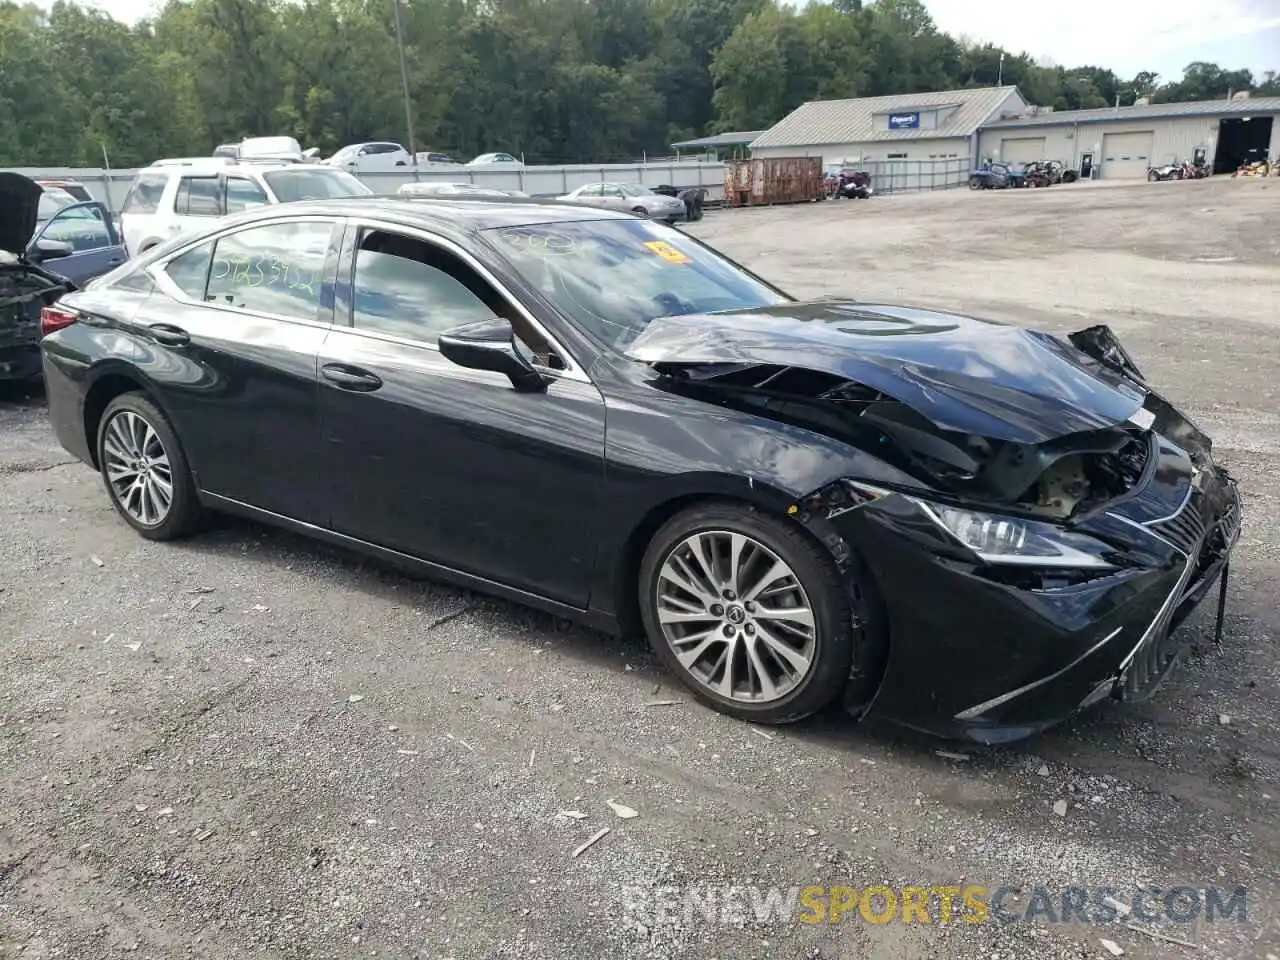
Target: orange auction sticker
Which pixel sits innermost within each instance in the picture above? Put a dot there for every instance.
(666, 251)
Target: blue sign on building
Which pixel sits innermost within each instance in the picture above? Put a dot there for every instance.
(904, 121)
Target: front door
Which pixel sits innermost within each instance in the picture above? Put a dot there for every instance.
(236, 328)
(95, 246)
(447, 464)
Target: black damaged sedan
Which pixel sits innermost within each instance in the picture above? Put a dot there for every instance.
(967, 527)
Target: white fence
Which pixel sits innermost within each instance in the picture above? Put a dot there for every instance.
(110, 186)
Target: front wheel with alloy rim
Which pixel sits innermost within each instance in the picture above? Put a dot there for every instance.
(752, 615)
(145, 471)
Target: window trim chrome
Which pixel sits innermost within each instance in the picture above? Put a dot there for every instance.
(573, 371)
(160, 276)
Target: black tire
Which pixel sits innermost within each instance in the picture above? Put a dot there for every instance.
(829, 594)
(186, 515)
(1152, 176)
(975, 183)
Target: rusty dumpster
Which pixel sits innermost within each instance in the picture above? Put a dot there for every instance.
(764, 180)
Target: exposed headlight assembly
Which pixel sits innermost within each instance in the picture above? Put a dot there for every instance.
(1013, 540)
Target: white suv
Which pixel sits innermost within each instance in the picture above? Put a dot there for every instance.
(173, 196)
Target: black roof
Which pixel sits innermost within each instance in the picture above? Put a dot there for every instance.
(465, 213)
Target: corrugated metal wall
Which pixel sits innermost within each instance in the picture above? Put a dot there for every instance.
(1173, 139)
(915, 149)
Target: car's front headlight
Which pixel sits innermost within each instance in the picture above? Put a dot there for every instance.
(1013, 540)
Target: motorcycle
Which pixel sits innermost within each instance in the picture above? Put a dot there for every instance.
(1170, 171)
(854, 185)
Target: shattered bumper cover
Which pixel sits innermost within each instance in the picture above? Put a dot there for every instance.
(994, 654)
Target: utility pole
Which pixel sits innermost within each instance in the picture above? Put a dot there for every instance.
(1000, 76)
(404, 79)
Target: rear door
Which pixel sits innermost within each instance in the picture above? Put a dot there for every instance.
(198, 200)
(235, 328)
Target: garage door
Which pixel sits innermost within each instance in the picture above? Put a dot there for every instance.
(1022, 149)
(1126, 156)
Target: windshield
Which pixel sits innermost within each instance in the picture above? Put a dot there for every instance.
(312, 184)
(635, 190)
(612, 277)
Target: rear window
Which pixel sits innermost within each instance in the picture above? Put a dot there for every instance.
(51, 201)
(144, 196)
(312, 184)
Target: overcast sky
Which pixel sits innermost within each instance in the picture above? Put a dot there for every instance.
(1125, 35)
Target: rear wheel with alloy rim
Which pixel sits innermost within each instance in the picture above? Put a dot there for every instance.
(145, 471)
(751, 614)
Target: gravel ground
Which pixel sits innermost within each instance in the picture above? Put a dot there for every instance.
(250, 745)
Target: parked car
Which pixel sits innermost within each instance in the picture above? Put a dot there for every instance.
(382, 155)
(424, 188)
(997, 176)
(970, 527)
(432, 159)
(49, 244)
(491, 159)
(637, 198)
(75, 188)
(172, 196)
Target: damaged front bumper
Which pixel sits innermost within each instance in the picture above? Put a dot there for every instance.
(24, 289)
(994, 653)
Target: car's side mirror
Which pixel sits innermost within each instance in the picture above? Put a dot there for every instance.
(490, 345)
(43, 250)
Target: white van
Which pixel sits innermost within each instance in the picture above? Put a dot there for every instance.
(173, 196)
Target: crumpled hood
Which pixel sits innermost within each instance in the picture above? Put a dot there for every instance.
(983, 377)
(19, 206)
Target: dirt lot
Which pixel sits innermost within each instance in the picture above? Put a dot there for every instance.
(247, 745)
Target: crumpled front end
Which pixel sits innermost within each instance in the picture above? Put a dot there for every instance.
(992, 649)
(24, 290)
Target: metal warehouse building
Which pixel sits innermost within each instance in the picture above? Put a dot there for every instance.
(995, 123)
(912, 126)
(1121, 143)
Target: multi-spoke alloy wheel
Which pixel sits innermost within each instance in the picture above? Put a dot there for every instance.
(736, 616)
(145, 470)
(137, 468)
(754, 614)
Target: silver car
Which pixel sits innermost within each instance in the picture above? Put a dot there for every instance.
(446, 189)
(635, 197)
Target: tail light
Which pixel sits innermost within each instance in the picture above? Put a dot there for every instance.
(55, 318)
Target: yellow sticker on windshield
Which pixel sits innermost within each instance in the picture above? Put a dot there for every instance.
(666, 251)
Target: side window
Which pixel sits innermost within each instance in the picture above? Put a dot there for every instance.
(409, 288)
(277, 268)
(198, 197)
(190, 270)
(243, 194)
(591, 191)
(144, 195)
(80, 228)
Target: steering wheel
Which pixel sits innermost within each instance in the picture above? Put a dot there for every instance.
(673, 304)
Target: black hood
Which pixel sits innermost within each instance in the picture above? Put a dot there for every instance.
(982, 377)
(19, 208)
